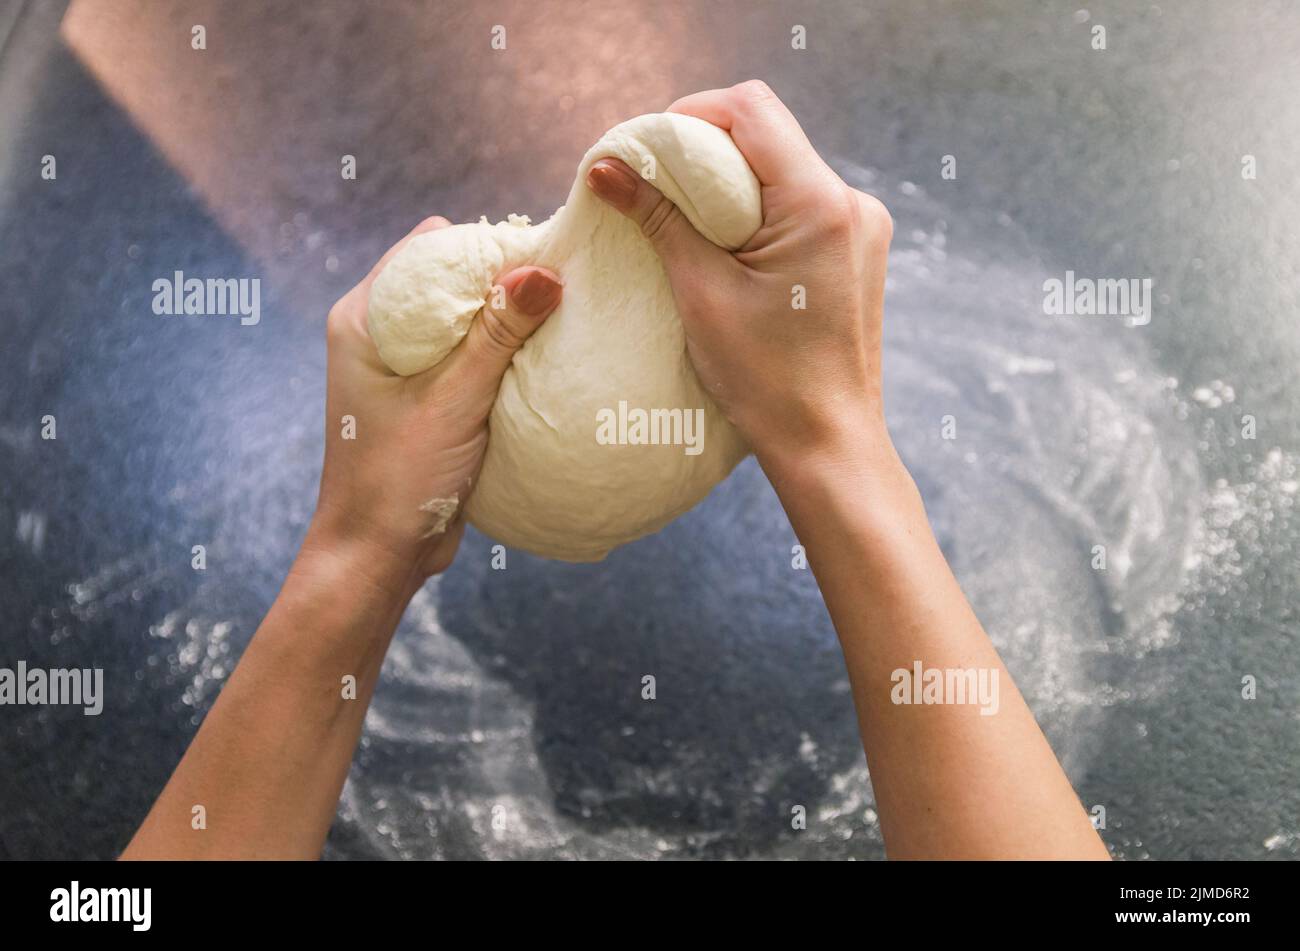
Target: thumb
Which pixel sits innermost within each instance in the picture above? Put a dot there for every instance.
(516, 306)
(670, 232)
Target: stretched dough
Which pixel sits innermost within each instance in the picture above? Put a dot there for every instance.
(552, 483)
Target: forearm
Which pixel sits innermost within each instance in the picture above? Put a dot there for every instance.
(268, 764)
(952, 779)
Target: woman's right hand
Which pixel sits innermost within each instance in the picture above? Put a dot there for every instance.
(954, 780)
(796, 382)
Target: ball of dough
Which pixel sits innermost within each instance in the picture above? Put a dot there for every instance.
(601, 432)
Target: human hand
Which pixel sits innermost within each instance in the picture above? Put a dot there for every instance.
(397, 475)
(803, 386)
(795, 382)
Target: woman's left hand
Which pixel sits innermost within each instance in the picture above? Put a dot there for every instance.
(402, 454)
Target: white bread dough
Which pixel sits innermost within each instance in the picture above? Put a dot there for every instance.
(548, 485)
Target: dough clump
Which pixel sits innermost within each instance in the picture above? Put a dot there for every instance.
(601, 432)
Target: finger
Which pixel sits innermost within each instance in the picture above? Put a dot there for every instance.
(670, 232)
(516, 307)
(764, 130)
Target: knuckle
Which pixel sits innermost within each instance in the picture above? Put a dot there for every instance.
(335, 321)
(755, 92)
(844, 214)
(661, 219)
(878, 222)
(498, 332)
(837, 212)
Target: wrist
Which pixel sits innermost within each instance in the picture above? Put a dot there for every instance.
(336, 612)
(372, 571)
(854, 480)
(852, 448)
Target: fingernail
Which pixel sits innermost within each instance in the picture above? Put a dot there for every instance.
(537, 293)
(614, 183)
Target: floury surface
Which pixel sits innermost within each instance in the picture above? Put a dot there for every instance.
(509, 721)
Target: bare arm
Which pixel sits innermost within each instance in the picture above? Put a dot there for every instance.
(804, 387)
(968, 779)
(269, 761)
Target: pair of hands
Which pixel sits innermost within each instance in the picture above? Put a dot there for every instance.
(802, 386)
(272, 756)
